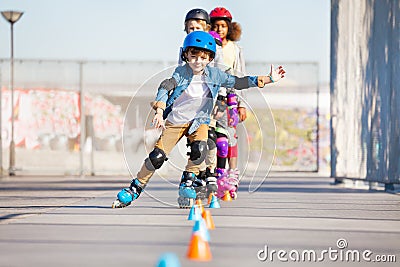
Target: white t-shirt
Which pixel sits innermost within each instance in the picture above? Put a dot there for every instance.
(190, 102)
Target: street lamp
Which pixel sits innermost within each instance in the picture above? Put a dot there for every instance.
(12, 17)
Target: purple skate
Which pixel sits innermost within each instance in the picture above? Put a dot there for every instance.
(226, 183)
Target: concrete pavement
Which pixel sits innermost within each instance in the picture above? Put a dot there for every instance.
(67, 221)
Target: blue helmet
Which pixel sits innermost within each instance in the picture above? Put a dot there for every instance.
(200, 39)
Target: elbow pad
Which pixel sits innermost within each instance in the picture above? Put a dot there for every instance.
(168, 84)
(246, 82)
(241, 83)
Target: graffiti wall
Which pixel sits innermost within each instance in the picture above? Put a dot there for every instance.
(48, 119)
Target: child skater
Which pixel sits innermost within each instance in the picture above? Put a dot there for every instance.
(198, 19)
(185, 101)
(230, 108)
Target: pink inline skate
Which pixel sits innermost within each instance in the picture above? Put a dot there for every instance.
(225, 183)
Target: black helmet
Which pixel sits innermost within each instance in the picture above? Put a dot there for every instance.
(198, 13)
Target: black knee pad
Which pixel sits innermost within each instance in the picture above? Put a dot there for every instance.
(156, 159)
(212, 139)
(198, 151)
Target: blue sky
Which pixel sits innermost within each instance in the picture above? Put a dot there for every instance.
(273, 31)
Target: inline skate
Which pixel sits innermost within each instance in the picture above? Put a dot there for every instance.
(127, 195)
(225, 183)
(187, 192)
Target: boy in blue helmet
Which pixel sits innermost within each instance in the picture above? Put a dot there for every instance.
(197, 19)
(183, 106)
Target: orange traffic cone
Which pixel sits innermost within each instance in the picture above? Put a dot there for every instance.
(199, 250)
(227, 196)
(200, 205)
(208, 219)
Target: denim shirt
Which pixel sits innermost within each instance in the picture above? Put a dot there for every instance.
(214, 77)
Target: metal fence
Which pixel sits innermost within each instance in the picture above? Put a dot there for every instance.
(91, 117)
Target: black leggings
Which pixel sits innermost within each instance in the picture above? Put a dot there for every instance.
(221, 162)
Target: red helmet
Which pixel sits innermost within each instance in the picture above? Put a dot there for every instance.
(221, 12)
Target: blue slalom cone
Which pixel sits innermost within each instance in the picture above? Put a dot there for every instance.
(168, 260)
(194, 214)
(214, 204)
(201, 228)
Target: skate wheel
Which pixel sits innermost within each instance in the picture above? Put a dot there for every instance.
(201, 196)
(201, 192)
(234, 195)
(185, 203)
(115, 204)
(118, 204)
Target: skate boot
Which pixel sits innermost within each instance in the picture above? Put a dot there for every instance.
(127, 195)
(187, 193)
(225, 183)
(200, 185)
(233, 178)
(211, 182)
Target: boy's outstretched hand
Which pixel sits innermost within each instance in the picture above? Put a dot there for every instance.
(274, 76)
(158, 121)
(277, 74)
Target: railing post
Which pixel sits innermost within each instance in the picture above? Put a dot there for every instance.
(82, 119)
(317, 113)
